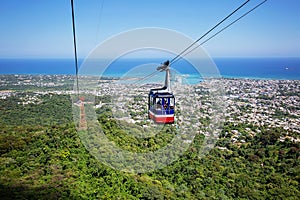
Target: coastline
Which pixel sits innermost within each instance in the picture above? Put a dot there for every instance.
(237, 68)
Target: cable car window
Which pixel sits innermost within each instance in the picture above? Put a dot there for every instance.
(172, 103)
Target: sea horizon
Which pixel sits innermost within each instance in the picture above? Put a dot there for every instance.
(270, 68)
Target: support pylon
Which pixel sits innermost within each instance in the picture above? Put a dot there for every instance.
(82, 121)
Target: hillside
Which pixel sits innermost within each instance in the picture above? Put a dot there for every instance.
(42, 157)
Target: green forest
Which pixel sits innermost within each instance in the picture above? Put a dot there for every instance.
(42, 157)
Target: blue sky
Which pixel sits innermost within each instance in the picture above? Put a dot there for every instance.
(43, 29)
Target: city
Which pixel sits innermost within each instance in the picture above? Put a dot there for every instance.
(270, 103)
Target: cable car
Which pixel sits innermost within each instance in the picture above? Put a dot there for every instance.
(161, 101)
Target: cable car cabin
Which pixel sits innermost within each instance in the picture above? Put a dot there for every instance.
(161, 107)
(161, 101)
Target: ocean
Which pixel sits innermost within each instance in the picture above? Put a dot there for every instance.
(249, 68)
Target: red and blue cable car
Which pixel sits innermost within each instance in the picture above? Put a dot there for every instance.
(161, 101)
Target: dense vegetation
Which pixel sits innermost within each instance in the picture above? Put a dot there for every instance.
(42, 157)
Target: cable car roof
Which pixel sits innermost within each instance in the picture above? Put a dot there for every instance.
(163, 95)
